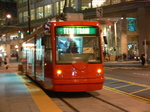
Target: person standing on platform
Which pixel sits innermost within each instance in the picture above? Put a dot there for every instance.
(124, 56)
(6, 62)
(143, 58)
(1, 61)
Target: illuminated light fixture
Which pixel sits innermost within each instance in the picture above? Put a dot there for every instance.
(97, 2)
(71, 33)
(59, 72)
(99, 71)
(8, 16)
(25, 45)
(16, 46)
(1, 48)
(48, 6)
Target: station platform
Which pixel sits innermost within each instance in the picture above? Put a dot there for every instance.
(19, 95)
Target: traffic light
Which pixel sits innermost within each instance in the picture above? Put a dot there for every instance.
(114, 48)
(28, 31)
(19, 31)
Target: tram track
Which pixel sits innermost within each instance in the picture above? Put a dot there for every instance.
(122, 109)
(88, 96)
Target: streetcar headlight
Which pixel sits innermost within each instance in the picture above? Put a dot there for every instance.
(59, 72)
(99, 71)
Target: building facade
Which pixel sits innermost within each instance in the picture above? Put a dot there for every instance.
(8, 15)
(125, 23)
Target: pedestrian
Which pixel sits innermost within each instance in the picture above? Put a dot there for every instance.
(143, 58)
(124, 56)
(104, 54)
(17, 57)
(1, 61)
(6, 62)
(108, 56)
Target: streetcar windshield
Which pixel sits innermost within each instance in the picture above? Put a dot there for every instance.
(71, 49)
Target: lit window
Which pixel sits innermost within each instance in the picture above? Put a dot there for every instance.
(48, 10)
(32, 14)
(25, 16)
(39, 13)
(56, 7)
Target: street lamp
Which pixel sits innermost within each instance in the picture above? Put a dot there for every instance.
(8, 17)
(29, 17)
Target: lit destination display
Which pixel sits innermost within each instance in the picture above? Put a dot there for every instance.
(76, 30)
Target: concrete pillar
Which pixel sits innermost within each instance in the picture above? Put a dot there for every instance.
(78, 5)
(19, 46)
(8, 45)
(144, 28)
(124, 40)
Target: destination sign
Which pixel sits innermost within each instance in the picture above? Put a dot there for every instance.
(76, 30)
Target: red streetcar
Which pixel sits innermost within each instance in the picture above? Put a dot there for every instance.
(67, 57)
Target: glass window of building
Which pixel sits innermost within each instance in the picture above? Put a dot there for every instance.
(131, 24)
(19, 1)
(39, 13)
(24, 0)
(116, 1)
(129, 0)
(107, 2)
(56, 8)
(7, 0)
(48, 10)
(73, 4)
(25, 16)
(98, 3)
(62, 6)
(86, 4)
(20, 17)
(32, 14)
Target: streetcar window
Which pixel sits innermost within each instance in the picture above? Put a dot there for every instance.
(77, 49)
(48, 49)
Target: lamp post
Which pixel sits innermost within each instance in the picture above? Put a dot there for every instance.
(29, 17)
(8, 17)
(115, 34)
(29, 29)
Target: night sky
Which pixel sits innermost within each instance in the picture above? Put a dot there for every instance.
(9, 7)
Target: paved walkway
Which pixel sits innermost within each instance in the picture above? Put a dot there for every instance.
(124, 63)
(18, 94)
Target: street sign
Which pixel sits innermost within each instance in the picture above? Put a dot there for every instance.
(99, 12)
